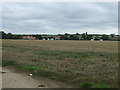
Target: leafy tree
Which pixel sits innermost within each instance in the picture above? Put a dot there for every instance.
(97, 38)
(89, 37)
(75, 37)
(14, 37)
(4, 35)
(77, 34)
(112, 35)
(19, 36)
(40, 37)
(105, 37)
(9, 35)
(66, 34)
(83, 36)
(64, 37)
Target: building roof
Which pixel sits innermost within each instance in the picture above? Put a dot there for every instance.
(30, 37)
(57, 36)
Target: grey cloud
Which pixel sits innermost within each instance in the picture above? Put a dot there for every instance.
(59, 17)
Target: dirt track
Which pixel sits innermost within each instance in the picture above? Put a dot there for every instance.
(15, 79)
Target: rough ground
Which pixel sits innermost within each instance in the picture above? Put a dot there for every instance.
(0, 79)
(15, 79)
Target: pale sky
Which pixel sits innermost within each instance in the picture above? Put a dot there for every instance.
(60, 17)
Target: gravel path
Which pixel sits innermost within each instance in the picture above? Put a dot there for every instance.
(15, 79)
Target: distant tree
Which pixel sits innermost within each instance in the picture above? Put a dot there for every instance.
(112, 35)
(77, 34)
(4, 35)
(63, 37)
(9, 36)
(71, 37)
(46, 38)
(105, 37)
(39, 37)
(97, 38)
(89, 37)
(83, 36)
(51, 37)
(14, 37)
(19, 36)
(76, 37)
(66, 34)
(118, 38)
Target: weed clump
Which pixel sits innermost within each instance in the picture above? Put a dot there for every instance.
(93, 85)
(9, 63)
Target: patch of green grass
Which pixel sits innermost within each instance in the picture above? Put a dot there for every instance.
(66, 70)
(111, 59)
(46, 72)
(9, 46)
(62, 55)
(43, 63)
(9, 63)
(93, 85)
(27, 67)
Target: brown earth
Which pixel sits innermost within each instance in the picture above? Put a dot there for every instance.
(73, 62)
(16, 79)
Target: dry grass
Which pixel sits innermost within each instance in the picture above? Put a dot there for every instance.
(95, 46)
(71, 61)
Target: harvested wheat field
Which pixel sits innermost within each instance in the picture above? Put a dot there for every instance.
(87, 64)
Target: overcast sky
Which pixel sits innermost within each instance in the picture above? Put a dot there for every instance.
(56, 17)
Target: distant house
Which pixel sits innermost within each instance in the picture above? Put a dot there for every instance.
(43, 39)
(28, 37)
(92, 39)
(101, 39)
(57, 37)
(51, 38)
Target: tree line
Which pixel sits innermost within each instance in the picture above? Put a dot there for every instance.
(85, 36)
(18, 36)
(66, 36)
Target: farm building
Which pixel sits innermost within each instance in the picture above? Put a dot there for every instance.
(51, 38)
(28, 37)
(43, 39)
(57, 37)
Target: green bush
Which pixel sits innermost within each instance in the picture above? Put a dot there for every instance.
(93, 85)
(9, 63)
(27, 67)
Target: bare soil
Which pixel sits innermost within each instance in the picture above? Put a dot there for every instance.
(15, 79)
(70, 61)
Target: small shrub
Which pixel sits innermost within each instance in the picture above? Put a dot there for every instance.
(87, 85)
(28, 68)
(9, 63)
(45, 72)
(93, 85)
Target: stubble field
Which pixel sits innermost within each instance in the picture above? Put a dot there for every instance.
(92, 64)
